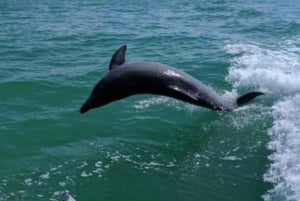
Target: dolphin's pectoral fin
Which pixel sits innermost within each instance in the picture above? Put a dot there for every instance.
(191, 97)
(183, 93)
(118, 58)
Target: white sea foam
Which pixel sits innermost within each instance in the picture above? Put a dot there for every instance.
(284, 172)
(156, 101)
(276, 70)
(270, 69)
(28, 181)
(149, 102)
(231, 158)
(85, 174)
(45, 176)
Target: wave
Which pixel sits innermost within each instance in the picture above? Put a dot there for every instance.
(285, 134)
(275, 69)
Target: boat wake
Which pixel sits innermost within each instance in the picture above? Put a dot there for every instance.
(276, 70)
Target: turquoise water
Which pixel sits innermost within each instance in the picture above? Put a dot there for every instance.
(149, 147)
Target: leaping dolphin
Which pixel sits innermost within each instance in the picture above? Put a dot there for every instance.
(143, 77)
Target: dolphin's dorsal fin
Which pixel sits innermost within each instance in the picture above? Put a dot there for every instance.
(118, 57)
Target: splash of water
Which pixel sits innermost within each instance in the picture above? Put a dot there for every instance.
(276, 70)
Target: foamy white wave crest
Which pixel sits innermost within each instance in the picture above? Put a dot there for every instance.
(276, 70)
(285, 134)
(270, 69)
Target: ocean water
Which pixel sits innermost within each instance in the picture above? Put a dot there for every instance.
(149, 147)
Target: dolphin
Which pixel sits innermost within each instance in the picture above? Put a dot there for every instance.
(67, 197)
(143, 77)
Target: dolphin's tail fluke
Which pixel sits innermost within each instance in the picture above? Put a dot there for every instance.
(247, 97)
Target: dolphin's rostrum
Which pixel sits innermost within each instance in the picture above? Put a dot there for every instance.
(142, 77)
